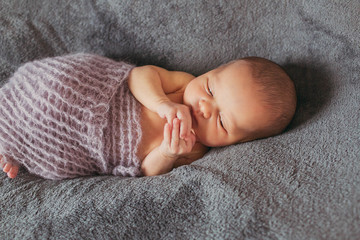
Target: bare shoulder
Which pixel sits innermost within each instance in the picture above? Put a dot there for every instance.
(197, 152)
(172, 81)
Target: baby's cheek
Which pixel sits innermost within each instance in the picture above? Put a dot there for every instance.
(206, 137)
(211, 136)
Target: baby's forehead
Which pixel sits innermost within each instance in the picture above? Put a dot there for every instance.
(233, 63)
(236, 74)
(236, 67)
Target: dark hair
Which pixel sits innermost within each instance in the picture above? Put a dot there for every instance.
(277, 92)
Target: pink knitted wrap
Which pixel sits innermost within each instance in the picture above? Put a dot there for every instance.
(71, 116)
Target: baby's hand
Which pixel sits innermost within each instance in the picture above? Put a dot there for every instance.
(171, 110)
(172, 146)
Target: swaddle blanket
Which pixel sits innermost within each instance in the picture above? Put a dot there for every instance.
(70, 116)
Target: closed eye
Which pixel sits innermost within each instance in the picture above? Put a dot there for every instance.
(208, 88)
(221, 123)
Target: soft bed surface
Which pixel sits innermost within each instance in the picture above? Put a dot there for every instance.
(303, 184)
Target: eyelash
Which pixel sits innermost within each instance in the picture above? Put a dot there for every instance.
(211, 94)
(208, 88)
(221, 123)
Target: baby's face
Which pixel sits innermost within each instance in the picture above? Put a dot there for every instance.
(225, 105)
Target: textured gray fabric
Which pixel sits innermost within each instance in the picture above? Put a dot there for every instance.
(303, 184)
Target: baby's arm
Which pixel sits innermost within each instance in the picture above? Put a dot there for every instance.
(151, 84)
(161, 160)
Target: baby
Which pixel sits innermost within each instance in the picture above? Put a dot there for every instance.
(181, 116)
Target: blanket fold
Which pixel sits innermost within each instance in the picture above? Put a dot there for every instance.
(71, 116)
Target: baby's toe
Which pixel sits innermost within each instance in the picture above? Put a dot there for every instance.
(7, 167)
(13, 172)
(11, 169)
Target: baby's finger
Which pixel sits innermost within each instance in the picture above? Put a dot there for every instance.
(184, 129)
(185, 126)
(175, 134)
(167, 134)
(170, 117)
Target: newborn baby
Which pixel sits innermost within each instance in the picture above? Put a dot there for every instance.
(179, 116)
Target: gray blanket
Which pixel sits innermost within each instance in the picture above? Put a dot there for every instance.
(303, 184)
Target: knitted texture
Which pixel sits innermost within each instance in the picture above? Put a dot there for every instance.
(71, 116)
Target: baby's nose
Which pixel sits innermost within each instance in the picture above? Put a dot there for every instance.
(205, 108)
